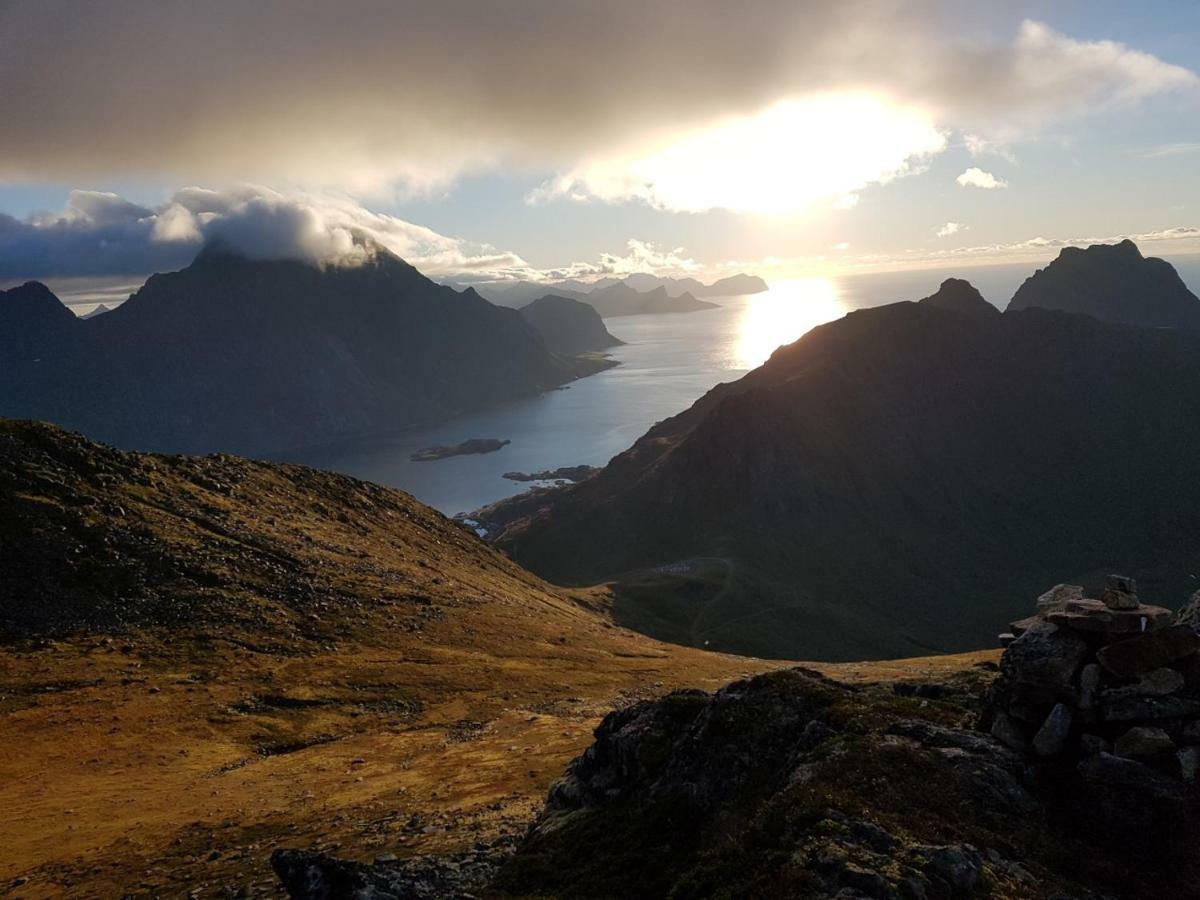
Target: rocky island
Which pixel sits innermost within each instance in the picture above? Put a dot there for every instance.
(466, 448)
(564, 473)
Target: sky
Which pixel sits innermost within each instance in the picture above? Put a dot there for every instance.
(520, 139)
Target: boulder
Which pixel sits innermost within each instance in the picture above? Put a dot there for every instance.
(1189, 613)
(1057, 598)
(1089, 683)
(1189, 763)
(1143, 741)
(1127, 709)
(1052, 736)
(1006, 730)
(1096, 616)
(1043, 661)
(1137, 656)
(1158, 683)
(1119, 593)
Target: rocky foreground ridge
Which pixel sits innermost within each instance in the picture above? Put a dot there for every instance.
(791, 784)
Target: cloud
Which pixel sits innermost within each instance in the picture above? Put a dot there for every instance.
(975, 177)
(365, 96)
(101, 234)
(786, 158)
(950, 228)
(1179, 149)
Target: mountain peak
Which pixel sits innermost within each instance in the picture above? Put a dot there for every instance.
(961, 296)
(1114, 283)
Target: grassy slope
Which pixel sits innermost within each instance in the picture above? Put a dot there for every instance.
(218, 657)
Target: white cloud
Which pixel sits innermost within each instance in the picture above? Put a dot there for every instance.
(786, 158)
(103, 234)
(950, 228)
(841, 247)
(979, 146)
(976, 177)
(1177, 149)
(363, 96)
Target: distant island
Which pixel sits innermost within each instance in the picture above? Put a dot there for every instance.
(466, 448)
(569, 326)
(630, 295)
(565, 473)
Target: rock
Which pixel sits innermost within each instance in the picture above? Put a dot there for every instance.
(1189, 613)
(1129, 805)
(1095, 616)
(1052, 736)
(1005, 638)
(1189, 763)
(1158, 683)
(1128, 709)
(1089, 683)
(1143, 741)
(1091, 744)
(1057, 598)
(1137, 656)
(1119, 593)
(1043, 662)
(955, 868)
(1020, 626)
(1008, 732)
(1191, 732)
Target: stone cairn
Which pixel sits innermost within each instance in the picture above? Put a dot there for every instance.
(1108, 682)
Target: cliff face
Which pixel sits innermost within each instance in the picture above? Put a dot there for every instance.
(569, 327)
(1114, 283)
(846, 498)
(234, 355)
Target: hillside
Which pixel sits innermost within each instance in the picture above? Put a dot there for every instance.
(206, 659)
(889, 483)
(1115, 283)
(622, 300)
(235, 355)
(569, 327)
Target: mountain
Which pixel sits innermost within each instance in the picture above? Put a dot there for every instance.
(733, 285)
(844, 498)
(622, 300)
(1115, 283)
(248, 356)
(99, 310)
(960, 296)
(519, 293)
(569, 327)
(205, 658)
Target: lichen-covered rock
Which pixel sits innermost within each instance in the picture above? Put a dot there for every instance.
(1041, 664)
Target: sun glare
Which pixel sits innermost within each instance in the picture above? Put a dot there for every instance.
(782, 160)
(782, 314)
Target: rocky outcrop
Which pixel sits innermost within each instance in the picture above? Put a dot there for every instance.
(568, 326)
(244, 356)
(1112, 688)
(1115, 283)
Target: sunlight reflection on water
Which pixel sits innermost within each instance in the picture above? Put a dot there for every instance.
(781, 315)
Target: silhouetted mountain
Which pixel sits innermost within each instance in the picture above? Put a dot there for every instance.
(733, 286)
(96, 311)
(1113, 282)
(895, 480)
(960, 296)
(31, 320)
(247, 356)
(568, 326)
(519, 293)
(622, 300)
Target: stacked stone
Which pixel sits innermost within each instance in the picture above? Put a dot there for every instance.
(1111, 682)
